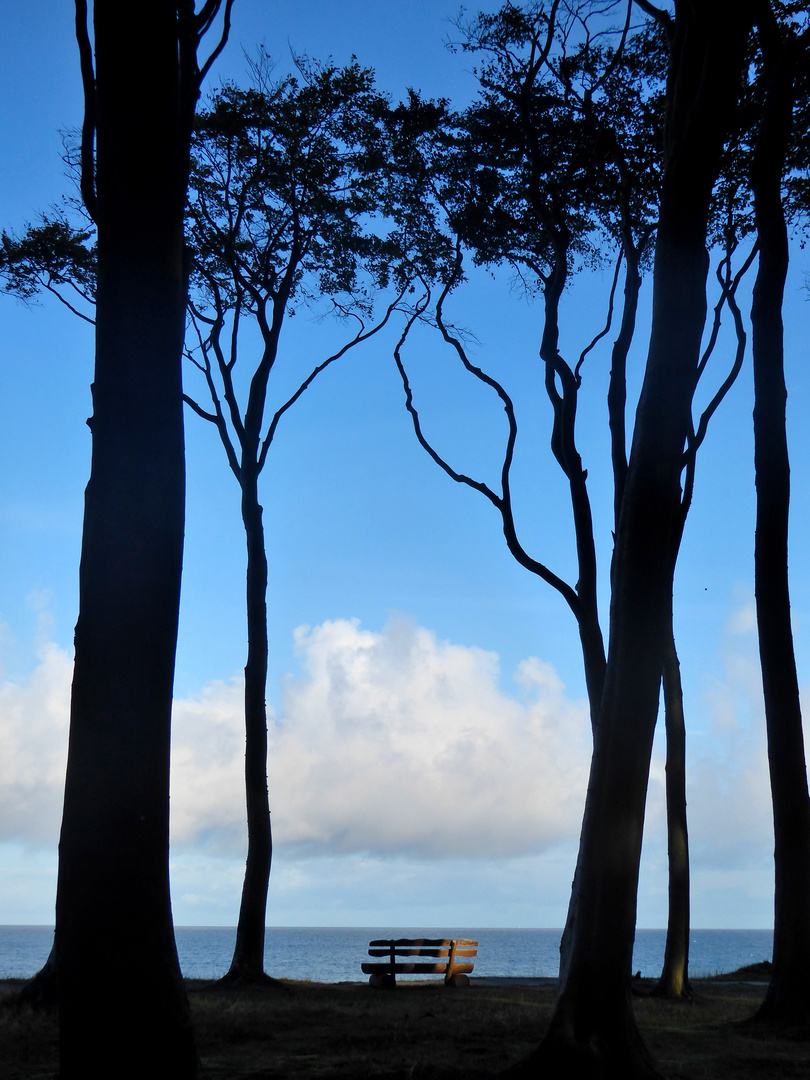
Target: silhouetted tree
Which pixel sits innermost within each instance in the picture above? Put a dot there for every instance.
(289, 181)
(113, 912)
(593, 1030)
(293, 205)
(558, 162)
(788, 997)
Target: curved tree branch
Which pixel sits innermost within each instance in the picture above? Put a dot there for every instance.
(608, 320)
(87, 181)
(55, 292)
(728, 285)
(503, 502)
(661, 16)
(361, 336)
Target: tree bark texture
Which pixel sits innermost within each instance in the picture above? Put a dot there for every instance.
(593, 1031)
(788, 997)
(247, 964)
(123, 1010)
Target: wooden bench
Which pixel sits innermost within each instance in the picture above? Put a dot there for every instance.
(444, 950)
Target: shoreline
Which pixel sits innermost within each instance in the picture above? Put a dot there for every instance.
(755, 975)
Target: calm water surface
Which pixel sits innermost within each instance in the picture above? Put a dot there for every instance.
(334, 954)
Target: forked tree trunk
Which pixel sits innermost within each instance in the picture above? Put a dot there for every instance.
(593, 1031)
(674, 980)
(788, 997)
(247, 965)
(113, 912)
(564, 448)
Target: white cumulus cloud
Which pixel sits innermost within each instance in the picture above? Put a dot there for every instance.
(391, 742)
(729, 800)
(34, 716)
(386, 743)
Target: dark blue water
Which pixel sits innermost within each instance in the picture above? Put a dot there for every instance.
(334, 954)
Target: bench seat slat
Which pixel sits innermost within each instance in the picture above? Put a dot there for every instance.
(415, 969)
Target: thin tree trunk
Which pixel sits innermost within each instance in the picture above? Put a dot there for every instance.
(617, 387)
(674, 980)
(113, 912)
(593, 1031)
(247, 964)
(788, 997)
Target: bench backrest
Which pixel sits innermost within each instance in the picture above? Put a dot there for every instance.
(438, 947)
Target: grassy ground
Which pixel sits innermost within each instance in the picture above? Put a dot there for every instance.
(310, 1030)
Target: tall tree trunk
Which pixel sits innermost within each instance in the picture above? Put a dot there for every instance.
(593, 1031)
(113, 912)
(674, 980)
(247, 965)
(788, 997)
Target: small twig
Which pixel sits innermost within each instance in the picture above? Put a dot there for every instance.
(608, 322)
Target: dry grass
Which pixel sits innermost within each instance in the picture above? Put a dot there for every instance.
(312, 1030)
(711, 1038)
(308, 1030)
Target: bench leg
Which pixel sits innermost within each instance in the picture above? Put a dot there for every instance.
(458, 981)
(388, 981)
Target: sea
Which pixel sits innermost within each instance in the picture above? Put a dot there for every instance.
(334, 953)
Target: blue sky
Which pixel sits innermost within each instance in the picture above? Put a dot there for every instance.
(429, 737)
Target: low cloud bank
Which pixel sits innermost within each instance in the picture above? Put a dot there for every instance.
(390, 743)
(398, 744)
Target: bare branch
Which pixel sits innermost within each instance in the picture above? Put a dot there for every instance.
(211, 341)
(206, 17)
(662, 17)
(502, 503)
(617, 55)
(728, 287)
(198, 409)
(226, 366)
(55, 292)
(609, 319)
(87, 182)
(460, 478)
(361, 336)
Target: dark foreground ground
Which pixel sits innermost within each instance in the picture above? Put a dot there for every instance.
(309, 1030)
